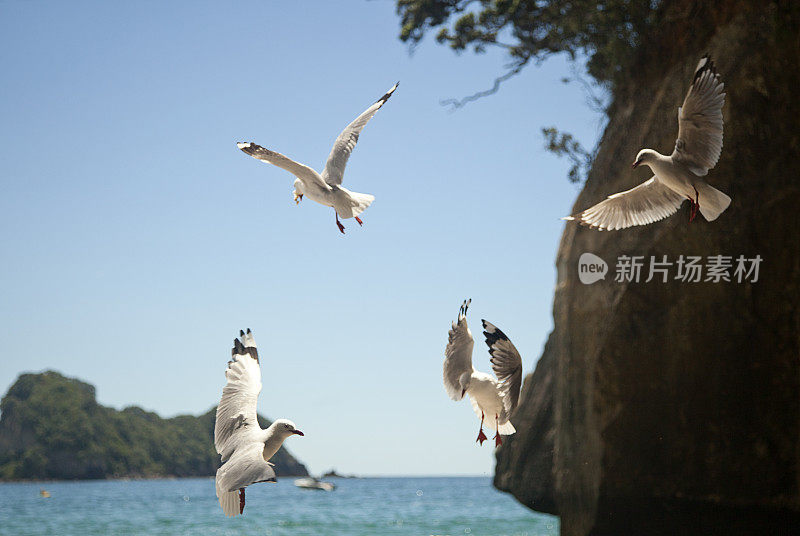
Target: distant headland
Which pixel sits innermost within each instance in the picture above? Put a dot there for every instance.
(52, 427)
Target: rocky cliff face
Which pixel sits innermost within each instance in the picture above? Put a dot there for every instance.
(665, 408)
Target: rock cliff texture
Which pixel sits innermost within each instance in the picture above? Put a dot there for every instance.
(52, 427)
(667, 408)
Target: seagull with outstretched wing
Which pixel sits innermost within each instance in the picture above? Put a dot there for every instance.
(244, 447)
(679, 176)
(490, 396)
(326, 188)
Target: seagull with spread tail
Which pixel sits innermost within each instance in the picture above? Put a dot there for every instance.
(491, 397)
(245, 448)
(326, 188)
(679, 176)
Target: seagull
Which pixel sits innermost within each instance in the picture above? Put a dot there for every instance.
(326, 188)
(489, 396)
(679, 176)
(244, 447)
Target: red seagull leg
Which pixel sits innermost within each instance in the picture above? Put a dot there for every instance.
(692, 209)
(359, 221)
(338, 223)
(696, 201)
(241, 500)
(695, 205)
(497, 440)
(481, 436)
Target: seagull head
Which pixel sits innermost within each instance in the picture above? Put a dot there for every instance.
(298, 191)
(645, 156)
(285, 428)
(464, 381)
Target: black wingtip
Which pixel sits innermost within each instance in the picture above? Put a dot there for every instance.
(241, 333)
(703, 66)
(248, 331)
(493, 336)
(388, 94)
(238, 347)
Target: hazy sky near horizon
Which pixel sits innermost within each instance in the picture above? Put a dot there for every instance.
(137, 239)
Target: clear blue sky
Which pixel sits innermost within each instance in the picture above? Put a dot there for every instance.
(137, 239)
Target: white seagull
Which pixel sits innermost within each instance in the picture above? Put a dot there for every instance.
(326, 188)
(244, 447)
(679, 176)
(495, 398)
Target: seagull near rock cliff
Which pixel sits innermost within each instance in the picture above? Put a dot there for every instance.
(490, 397)
(679, 176)
(326, 188)
(244, 447)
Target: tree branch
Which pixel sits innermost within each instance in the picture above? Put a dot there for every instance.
(458, 103)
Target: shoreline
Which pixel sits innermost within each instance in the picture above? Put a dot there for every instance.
(280, 477)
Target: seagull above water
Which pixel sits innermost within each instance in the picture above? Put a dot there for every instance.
(495, 398)
(326, 188)
(679, 176)
(244, 447)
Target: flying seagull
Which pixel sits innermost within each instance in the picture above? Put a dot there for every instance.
(244, 447)
(326, 188)
(495, 398)
(679, 176)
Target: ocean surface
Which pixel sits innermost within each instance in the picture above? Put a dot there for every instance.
(369, 506)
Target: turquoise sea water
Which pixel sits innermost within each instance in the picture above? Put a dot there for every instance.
(370, 506)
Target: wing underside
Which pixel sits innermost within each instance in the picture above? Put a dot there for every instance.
(458, 354)
(237, 410)
(649, 202)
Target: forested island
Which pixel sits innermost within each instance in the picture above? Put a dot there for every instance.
(52, 427)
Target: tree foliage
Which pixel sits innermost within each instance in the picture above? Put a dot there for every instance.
(564, 144)
(607, 32)
(52, 427)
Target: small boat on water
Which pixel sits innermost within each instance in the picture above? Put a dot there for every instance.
(44, 494)
(313, 483)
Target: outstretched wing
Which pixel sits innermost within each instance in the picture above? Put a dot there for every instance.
(458, 354)
(301, 171)
(650, 201)
(236, 413)
(506, 363)
(346, 142)
(699, 142)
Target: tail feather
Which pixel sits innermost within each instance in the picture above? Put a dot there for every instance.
(360, 202)
(229, 501)
(506, 428)
(712, 201)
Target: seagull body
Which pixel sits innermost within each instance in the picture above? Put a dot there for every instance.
(326, 188)
(244, 447)
(679, 176)
(491, 397)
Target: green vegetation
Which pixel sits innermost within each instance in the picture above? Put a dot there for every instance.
(52, 427)
(610, 34)
(606, 32)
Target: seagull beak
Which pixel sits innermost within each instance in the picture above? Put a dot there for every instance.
(298, 432)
